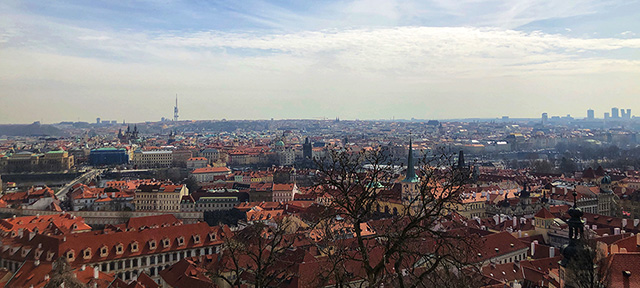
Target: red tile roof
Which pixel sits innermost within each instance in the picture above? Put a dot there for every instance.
(62, 223)
(118, 245)
(211, 170)
(544, 214)
(186, 273)
(623, 270)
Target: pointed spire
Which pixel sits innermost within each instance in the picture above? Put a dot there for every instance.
(411, 173)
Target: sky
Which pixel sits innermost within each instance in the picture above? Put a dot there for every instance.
(378, 59)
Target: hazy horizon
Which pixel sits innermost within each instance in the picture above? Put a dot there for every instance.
(380, 59)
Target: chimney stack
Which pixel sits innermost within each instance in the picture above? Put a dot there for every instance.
(552, 252)
(95, 272)
(533, 247)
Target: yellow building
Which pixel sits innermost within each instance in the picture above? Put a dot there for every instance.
(25, 161)
(159, 197)
(152, 159)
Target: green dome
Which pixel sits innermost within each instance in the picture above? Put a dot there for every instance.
(280, 143)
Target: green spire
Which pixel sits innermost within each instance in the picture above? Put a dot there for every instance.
(411, 173)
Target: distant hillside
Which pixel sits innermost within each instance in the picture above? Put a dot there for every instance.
(34, 129)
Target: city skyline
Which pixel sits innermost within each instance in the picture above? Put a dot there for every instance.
(72, 61)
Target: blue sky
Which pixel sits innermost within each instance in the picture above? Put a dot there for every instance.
(378, 59)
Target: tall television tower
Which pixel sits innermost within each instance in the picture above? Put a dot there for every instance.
(175, 110)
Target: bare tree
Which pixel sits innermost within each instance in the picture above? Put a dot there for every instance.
(407, 247)
(261, 254)
(583, 270)
(61, 274)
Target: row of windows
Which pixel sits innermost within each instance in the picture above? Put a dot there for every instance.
(168, 258)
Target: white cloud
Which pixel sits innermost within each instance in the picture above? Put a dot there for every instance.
(304, 73)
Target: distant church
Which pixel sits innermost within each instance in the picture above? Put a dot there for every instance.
(129, 135)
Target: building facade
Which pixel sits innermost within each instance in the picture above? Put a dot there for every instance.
(159, 197)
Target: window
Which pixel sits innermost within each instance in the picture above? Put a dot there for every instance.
(71, 255)
(134, 246)
(196, 239)
(166, 242)
(119, 248)
(104, 251)
(180, 241)
(87, 253)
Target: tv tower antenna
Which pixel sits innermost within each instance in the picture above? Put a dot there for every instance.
(175, 109)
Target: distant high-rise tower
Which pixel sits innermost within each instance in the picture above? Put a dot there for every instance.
(628, 113)
(97, 120)
(175, 110)
(590, 114)
(545, 118)
(606, 115)
(614, 113)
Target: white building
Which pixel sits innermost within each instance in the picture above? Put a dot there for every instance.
(152, 159)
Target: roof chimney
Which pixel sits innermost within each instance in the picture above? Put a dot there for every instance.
(46, 277)
(36, 263)
(83, 267)
(624, 223)
(533, 247)
(95, 272)
(552, 252)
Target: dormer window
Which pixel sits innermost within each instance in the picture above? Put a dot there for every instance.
(196, 239)
(152, 244)
(134, 246)
(87, 253)
(166, 243)
(119, 248)
(71, 255)
(50, 256)
(104, 251)
(212, 236)
(180, 241)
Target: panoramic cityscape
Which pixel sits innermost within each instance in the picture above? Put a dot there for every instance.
(290, 144)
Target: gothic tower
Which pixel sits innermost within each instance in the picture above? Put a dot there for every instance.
(410, 182)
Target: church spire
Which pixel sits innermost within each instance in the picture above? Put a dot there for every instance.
(411, 173)
(461, 160)
(576, 233)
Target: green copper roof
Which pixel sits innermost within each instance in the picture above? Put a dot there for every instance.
(411, 173)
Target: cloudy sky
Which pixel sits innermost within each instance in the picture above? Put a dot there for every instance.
(378, 59)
